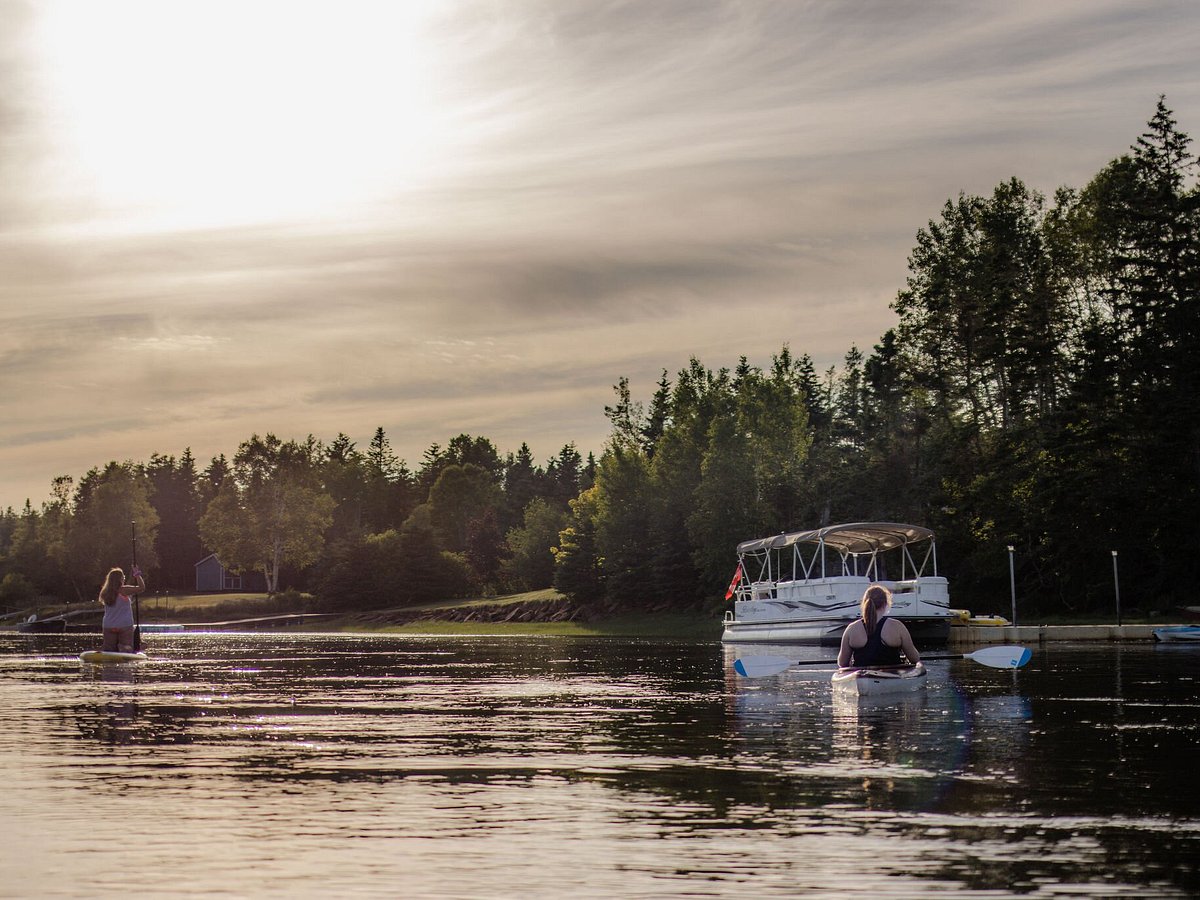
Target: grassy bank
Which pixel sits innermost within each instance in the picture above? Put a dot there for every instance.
(679, 625)
(542, 612)
(442, 617)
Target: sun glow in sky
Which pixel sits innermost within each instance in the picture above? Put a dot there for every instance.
(228, 217)
(236, 111)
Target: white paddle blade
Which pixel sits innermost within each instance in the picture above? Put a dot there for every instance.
(1001, 657)
(760, 666)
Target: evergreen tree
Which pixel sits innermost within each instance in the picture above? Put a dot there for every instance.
(107, 502)
(461, 493)
(728, 507)
(658, 417)
(623, 525)
(175, 494)
(523, 481)
(814, 394)
(564, 476)
(390, 488)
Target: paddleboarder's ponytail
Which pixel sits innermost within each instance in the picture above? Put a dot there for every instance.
(876, 600)
(113, 583)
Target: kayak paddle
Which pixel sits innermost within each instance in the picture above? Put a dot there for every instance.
(1012, 657)
(137, 620)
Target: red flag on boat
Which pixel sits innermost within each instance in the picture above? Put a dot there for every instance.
(737, 576)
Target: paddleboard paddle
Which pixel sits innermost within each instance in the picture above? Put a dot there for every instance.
(137, 621)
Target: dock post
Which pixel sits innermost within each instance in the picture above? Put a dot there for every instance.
(1117, 588)
(1012, 584)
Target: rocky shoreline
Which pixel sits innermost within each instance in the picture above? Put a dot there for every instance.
(523, 612)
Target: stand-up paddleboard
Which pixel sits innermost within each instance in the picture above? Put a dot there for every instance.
(110, 656)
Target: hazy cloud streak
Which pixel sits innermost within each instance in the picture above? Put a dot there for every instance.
(485, 228)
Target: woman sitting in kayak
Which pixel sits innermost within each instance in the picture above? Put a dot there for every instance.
(118, 609)
(875, 639)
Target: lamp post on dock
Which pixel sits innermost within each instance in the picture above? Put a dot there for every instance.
(1012, 584)
(1117, 588)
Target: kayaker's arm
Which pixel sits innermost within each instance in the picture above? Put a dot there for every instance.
(845, 650)
(130, 589)
(907, 645)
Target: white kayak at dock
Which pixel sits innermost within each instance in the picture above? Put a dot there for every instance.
(877, 682)
(1178, 634)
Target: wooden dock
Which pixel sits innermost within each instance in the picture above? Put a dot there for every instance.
(1043, 634)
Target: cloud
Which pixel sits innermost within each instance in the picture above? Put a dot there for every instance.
(600, 189)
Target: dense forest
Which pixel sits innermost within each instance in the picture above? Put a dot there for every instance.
(1039, 389)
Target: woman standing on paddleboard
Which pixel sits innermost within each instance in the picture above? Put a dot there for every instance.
(117, 597)
(875, 639)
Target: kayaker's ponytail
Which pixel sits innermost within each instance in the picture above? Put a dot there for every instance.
(112, 586)
(877, 599)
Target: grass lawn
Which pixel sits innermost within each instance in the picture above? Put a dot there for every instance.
(151, 601)
(680, 625)
(684, 625)
(232, 606)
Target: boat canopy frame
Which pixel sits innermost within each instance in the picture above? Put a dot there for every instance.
(850, 542)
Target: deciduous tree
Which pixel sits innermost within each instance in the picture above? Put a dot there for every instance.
(271, 510)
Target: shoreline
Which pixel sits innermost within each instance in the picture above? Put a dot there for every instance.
(659, 626)
(1048, 634)
(534, 613)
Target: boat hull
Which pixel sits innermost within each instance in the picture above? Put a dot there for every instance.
(931, 632)
(44, 626)
(812, 631)
(880, 682)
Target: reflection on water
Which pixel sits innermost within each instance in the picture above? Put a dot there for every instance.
(486, 767)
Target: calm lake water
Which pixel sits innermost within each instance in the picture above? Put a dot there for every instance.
(262, 766)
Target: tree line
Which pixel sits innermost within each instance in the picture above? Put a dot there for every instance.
(1038, 390)
(356, 526)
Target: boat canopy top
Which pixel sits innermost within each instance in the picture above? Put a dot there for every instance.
(858, 537)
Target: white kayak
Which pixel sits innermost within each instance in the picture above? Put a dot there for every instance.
(876, 682)
(100, 657)
(1178, 634)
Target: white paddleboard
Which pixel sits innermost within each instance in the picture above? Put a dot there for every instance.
(110, 656)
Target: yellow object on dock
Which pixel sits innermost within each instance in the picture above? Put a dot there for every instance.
(964, 617)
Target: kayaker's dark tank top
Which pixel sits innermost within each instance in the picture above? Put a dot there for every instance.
(875, 652)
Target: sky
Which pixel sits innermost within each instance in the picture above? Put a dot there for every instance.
(235, 217)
